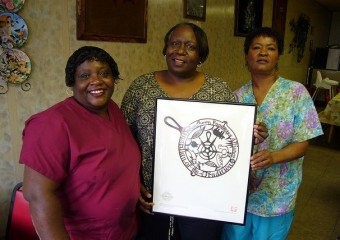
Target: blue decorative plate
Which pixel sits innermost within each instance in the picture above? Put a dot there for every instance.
(11, 5)
(13, 30)
(15, 66)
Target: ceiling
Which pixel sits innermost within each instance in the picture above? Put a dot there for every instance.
(332, 5)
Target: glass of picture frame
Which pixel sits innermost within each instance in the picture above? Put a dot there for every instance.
(202, 159)
(194, 9)
(248, 16)
(101, 20)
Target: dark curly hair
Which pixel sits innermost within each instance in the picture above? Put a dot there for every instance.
(266, 32)
(88, 53)
(201, 38)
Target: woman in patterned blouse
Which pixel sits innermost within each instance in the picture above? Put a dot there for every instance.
(185, 48)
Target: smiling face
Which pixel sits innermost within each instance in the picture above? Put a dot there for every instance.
(182, 52)
(263, 56)
(93, 86)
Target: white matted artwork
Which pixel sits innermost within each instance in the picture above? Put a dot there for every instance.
(202, 157)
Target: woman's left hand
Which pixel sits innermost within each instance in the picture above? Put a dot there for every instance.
(145, 202)
(261, 160)
(260, 132)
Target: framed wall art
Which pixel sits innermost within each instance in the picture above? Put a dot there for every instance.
(201, 150)
(116, 20)
(248, 16)
(194, 9)
(279, 16)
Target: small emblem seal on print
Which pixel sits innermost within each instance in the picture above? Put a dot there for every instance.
(167, 196)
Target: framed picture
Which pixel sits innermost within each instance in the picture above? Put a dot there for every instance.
(202, 159)
(194, 9)
(248, 16)
(279, 16)
(116, 20)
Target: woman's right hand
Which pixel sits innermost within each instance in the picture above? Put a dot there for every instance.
(260, 132)
(145, 203)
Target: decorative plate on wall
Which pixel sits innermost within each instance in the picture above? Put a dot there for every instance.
(11, 5)
(13, 30)
(15, 66)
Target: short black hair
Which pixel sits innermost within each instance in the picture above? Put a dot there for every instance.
(263, 31)
(201, 38)
(88, 53)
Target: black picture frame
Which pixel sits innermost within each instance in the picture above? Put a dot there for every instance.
(194, 9)
(200, 148)
(248, 16)
(115, 21)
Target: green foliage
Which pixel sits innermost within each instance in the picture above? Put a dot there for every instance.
(300, 29)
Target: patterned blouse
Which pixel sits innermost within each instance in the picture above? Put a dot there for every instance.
(290, 116)
(138, 105)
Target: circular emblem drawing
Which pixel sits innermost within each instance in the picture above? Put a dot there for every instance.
(207, 147)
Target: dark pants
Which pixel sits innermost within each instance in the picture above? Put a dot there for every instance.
(199, 229)
(159, 227)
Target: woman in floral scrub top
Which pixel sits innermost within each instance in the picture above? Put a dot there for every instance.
(276, 169)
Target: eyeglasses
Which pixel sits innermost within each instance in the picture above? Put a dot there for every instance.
(189, 47)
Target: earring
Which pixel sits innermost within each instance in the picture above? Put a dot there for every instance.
(199, 64)
(69, 92)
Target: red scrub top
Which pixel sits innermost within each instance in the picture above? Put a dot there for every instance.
(95, 160)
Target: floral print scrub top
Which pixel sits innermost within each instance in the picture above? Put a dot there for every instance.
(290, 116)
(139, 103)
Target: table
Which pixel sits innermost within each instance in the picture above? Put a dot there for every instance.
(331, 114)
